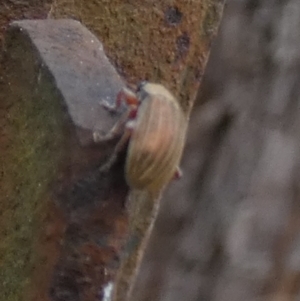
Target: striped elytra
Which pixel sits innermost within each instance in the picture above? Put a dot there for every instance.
(157, 141)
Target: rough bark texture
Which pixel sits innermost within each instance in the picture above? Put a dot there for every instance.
(230, 229)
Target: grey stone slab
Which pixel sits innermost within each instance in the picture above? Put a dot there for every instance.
(81, 70)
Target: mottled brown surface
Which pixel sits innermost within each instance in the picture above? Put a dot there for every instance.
(161, 41)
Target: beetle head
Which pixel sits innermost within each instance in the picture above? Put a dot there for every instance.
(146, 89)
(141, 85)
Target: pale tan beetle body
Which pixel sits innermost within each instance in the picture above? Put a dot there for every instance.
(157, 140)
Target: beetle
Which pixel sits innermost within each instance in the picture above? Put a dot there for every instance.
(154, 126)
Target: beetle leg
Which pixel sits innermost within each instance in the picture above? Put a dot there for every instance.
(116, 130)
(109, 107)
(125, 95)
(119, 147)
(127, 133)
(128, 96)
(131, 100)
(178, 173)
